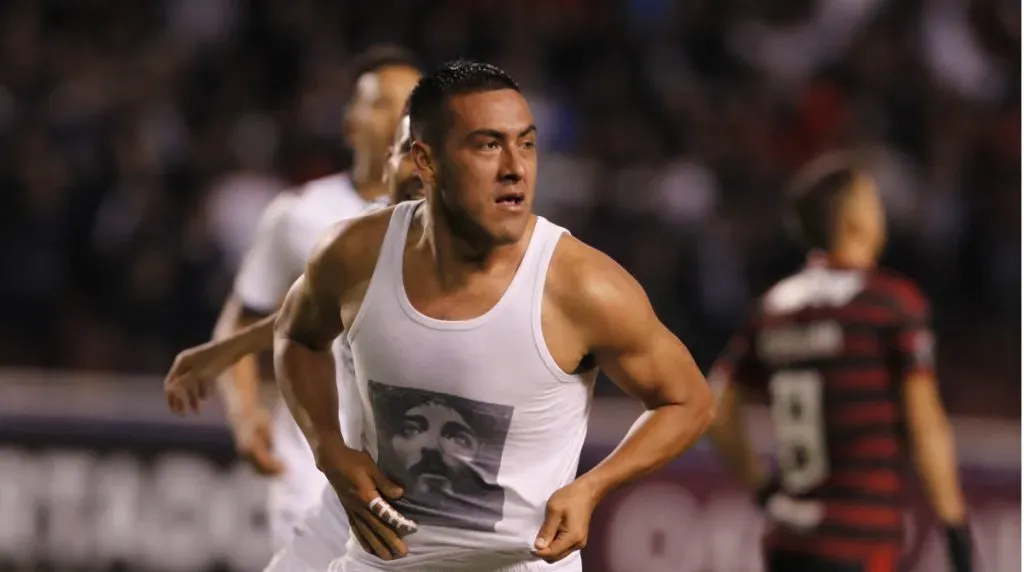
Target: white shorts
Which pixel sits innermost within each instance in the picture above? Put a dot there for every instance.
(292, 495)
(317, 542)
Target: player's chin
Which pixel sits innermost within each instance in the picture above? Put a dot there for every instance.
(509, 231)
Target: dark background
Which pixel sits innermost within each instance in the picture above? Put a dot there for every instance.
(140, 140)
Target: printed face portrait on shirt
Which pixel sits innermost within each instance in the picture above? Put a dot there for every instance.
(445, 451)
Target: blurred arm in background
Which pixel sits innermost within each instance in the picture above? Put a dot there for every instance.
(932, 446)
(738, 365)
(245, 327)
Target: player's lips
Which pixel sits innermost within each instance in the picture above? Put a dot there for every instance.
(513, 201)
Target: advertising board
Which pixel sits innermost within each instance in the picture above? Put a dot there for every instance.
(96, 475)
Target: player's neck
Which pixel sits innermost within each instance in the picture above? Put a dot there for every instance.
(854, 255)
(368, 177)
(459, 251)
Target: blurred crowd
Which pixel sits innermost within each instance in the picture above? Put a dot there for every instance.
(141, 140)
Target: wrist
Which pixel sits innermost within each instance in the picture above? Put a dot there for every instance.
(327, 447)
(595, 485)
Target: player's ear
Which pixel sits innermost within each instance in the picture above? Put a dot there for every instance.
(423, 157)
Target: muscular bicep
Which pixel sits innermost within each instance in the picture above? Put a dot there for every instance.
(311, 313)
(308, 317)
(653, 366)
(631, 345)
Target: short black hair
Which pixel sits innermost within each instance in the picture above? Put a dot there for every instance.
(815, 197)
(428, 100)
(381, 56)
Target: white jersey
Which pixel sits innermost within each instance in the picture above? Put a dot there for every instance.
(473, 418)
(289, 230)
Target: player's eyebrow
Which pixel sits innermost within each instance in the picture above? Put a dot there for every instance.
(497, 134)
(532, 129)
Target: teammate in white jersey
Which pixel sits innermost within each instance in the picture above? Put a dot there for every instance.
(322, 538)
(288, 232)
(476, 330)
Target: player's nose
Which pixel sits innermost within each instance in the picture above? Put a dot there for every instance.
(513, 168)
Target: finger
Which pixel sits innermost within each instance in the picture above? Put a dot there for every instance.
(565, 543)
(390, 516)
(193, 403)
(389, 537)
(368, 539)
(548, 530)
(265, 433)
(263, 460)
(361, 532)
(202, 390)
(386, 486)
(181, 401)
(173, 403)
(354, 527)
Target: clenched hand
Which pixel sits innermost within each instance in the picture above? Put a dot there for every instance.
(364, 491)
(188, 381)
(566, 522)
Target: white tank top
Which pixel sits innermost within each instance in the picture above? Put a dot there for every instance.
(473, 417)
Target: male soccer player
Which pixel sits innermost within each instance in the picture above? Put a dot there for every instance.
(290, 227)
(844, 351)
(476, 330)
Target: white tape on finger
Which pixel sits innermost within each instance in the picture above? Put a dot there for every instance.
(392, 517)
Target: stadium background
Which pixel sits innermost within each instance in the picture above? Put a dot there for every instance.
(139, 141)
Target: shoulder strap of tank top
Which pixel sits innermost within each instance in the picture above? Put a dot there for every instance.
(547, 238)
(550, 235)
(393, 246)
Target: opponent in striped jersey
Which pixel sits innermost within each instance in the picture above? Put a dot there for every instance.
(288, 232)
(844, 352)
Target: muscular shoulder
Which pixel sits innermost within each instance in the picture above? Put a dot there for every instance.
(348, 251)
(597, 295)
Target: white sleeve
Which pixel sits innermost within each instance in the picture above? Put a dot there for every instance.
(269, 267)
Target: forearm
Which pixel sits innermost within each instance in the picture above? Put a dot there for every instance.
(239, 387)
(240, 337)
(658, 436)
(306, 379)
(933, 448)
(729, 437)
(935, 458)
(249, 339)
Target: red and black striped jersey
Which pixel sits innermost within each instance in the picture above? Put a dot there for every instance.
(832, 347)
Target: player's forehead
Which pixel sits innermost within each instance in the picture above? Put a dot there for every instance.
(393, 82)
(863, 190)
(502, 110)
(436, 411)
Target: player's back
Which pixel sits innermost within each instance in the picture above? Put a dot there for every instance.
(835, 345)
(320, 204)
